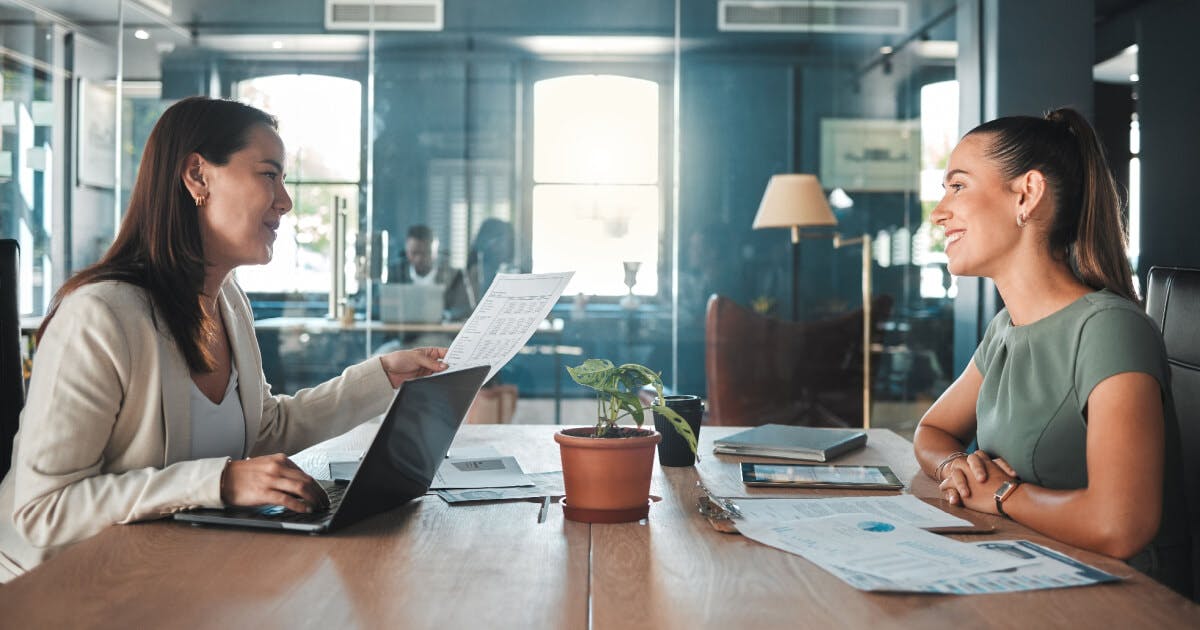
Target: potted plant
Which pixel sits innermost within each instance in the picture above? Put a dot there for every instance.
(606, 467)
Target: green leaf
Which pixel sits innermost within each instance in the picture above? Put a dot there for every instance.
(617, 388)
(632, 405)
(643, 374)
(681, 426)
(597, 374)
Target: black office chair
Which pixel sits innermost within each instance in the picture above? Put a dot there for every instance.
(12, 381)
(1173, 301)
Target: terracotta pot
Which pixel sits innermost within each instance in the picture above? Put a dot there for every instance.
(607, 480)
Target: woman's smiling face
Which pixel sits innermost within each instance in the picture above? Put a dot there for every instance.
(978, 211)
(246, 198)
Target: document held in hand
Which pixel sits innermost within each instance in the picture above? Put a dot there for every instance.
(505, 319)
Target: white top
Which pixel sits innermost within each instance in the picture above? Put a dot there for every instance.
(218, 430)
(429, 278)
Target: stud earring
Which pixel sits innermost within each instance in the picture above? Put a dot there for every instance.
(1021, 220)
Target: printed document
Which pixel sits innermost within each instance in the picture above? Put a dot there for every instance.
(486, 472)
(880, 547)
(1051, 570)
(904, 508)
(505, 319)
(472, 452)
(546, 484)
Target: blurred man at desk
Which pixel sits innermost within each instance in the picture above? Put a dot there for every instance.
(420, 265)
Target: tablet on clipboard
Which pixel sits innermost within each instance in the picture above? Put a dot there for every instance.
(820, 476)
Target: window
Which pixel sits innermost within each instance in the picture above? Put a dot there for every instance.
(596, 183)
(319, 121)
(939, 134)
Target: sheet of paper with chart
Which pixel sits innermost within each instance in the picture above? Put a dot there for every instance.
(882, 547)
(1049, 569)
(505, 319)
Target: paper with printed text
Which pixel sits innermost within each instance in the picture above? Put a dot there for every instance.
(505, 319)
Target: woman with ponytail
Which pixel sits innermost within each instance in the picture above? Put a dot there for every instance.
(1068, 394)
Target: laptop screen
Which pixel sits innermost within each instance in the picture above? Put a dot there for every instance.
(412, 442)
(411, 303)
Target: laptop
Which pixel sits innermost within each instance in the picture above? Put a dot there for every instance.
(398, 467)
(411, 303)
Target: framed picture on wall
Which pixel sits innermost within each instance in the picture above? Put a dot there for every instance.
(870, 155)
(97, 135)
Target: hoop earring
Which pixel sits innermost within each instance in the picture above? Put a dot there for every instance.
(1021, 220)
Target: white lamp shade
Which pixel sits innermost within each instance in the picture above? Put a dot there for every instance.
(793, 201)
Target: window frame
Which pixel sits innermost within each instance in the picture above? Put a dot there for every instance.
(657, 69)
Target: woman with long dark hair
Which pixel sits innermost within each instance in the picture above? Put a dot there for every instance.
(147, 395)
(1068, 394)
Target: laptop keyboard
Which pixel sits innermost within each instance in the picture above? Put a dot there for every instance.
(279, 513)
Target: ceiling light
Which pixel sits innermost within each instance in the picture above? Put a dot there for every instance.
(937, 49)
(1133, 77)
(597, 45)
(277, 44)
(141, 33)
(885, 50)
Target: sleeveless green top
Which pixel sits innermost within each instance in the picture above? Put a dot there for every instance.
(1032, 406)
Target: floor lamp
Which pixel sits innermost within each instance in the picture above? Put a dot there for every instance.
(796, 202)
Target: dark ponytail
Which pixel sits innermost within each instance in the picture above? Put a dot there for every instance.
(1087, 225)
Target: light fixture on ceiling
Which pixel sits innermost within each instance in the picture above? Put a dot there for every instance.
(142, 34)
(1133, 77)
(596, 45)
(277, 44)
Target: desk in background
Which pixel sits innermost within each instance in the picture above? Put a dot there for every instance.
(432, 565)
(280, 336)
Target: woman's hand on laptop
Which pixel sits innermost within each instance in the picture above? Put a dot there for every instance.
(405, 365)
(271, 480)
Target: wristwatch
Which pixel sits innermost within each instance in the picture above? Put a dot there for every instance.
(1005, 490)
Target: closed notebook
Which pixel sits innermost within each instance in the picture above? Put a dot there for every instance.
(790, 442)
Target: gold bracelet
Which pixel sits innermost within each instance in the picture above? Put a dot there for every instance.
(937, 472)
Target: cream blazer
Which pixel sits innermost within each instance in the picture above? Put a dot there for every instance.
(105, 435)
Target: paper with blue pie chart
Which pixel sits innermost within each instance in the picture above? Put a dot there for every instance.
(880, 547)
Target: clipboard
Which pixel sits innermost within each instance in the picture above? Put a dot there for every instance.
(722, 515)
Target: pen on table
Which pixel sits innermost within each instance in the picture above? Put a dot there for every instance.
(545, 508)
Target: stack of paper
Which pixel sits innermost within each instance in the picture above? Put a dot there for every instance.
(546, 484)
(483, 474)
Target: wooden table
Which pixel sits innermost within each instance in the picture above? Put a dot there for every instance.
(432, 565)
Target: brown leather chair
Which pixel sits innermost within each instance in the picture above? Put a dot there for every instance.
(766, 370)
(1173, 302)
(12, 381)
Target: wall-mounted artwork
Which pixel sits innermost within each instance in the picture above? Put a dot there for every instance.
(870, 155)
(97, 135)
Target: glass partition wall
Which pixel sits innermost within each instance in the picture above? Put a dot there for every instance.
(839, 92)
(630, 142)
